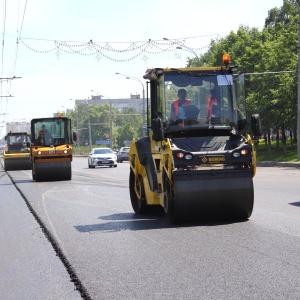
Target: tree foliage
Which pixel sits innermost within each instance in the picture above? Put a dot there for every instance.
(126, 125)
(269, 59)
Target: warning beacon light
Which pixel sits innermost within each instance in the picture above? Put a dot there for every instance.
(226, 59)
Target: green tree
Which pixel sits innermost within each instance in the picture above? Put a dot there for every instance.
(265, 56)
(129, 126)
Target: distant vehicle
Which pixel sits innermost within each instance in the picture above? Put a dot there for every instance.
(102, 157)
(123, 154)
(16, 155)
(51, 149)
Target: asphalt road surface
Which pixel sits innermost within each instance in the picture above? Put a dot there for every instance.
(80, 239)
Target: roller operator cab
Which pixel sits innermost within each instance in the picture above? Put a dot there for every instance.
(16, 156)
(197, 161)
(51, 149)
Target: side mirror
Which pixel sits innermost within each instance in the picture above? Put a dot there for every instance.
(256, 125)
(242, 124)
(74, 136)
(158, 134)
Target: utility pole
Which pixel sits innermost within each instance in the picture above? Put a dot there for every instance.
(298, 88)
(8, 78)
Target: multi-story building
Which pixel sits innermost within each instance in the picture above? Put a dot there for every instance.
(121, 104)
(18, 127)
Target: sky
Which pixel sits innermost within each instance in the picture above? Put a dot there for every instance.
(59, 51)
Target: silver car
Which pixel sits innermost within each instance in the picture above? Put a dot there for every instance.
(123, 154)
(102, 157)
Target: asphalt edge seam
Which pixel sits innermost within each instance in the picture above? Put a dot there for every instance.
(73, 276)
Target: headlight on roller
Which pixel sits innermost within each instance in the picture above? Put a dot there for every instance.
(243, 152)
(187, 156)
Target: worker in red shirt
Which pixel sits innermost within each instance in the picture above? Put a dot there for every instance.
(211, 104)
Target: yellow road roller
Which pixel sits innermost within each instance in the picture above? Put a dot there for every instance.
(16, 156)
(197, 161)
(51, 149)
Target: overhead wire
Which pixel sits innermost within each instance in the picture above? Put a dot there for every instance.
(117, 42)
(3, 35)
(17, 43)
(18, 38)
(2, 54)
(13, 70)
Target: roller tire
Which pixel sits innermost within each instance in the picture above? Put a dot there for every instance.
(169, 201)
(138, 202)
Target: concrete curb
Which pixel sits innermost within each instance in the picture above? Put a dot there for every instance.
(259, 163)
(278, 164)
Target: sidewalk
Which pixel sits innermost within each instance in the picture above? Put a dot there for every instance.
(278, 164)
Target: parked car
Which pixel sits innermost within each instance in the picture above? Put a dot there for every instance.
(102, 157)
(123, 154)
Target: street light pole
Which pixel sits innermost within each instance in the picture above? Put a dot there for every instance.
(110, 119)
(89, 125)
(298, 88)
(192, 51)
(144, 111)
(183, 47)
(77, 126)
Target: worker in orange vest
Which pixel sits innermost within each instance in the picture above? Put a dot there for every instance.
(44, 136)
(178, 106)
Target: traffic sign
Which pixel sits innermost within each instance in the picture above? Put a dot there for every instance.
(102, 142)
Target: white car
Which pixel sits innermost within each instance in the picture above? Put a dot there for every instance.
(102, 157)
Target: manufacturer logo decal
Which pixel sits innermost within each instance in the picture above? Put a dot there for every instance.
(204, 159)
(213, 160)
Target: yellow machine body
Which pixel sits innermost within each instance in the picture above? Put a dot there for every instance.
(199, 165)
(51, 149)
(16, 156)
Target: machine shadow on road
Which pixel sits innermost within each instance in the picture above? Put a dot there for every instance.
(132, 221)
